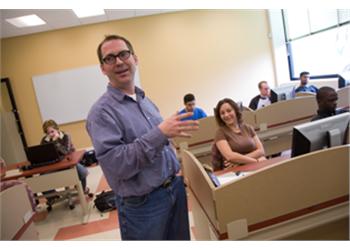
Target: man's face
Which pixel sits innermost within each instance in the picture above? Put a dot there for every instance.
(122, 72)
(190, 106)
(304, 79)
(264, 89)
(329, 102)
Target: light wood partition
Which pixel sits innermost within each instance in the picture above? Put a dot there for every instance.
(198, 180)
(343, 97)
(275, 122)
(277, 201)
(201, 140)
(17, 215)
(302, 94)
(286, 112)
(249, 117)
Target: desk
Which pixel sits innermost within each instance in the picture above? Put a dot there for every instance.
(60, 174)
(252, 166)
(281, 199)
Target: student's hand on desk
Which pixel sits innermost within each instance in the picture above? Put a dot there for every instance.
(174, 127)
(228, 164)
(262, 158)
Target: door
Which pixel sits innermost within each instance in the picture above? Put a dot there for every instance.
(11, 147)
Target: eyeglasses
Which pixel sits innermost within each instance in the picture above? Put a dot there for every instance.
(111, 58)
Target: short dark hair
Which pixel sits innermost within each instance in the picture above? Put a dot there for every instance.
(110, 38)
(261, 83)
(189, 98)
(304, 73)
(323, 92)
(235, 107)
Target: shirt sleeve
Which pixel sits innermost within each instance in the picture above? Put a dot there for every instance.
(253, 104)
(64, 145)
(219, 135)
(123, 160)
(203, 114)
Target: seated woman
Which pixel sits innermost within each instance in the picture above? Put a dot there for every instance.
(235, 142)
(64, 146)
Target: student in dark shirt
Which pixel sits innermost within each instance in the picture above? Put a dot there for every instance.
(264, 98)
(64, 146)
(327, 99)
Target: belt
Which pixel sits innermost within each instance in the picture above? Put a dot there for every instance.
(167, 182)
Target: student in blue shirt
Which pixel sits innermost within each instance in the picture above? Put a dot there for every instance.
(190, 106)
(304, 87)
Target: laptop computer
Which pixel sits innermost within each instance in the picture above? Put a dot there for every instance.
(44, 154)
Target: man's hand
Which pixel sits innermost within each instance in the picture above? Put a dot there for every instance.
(174, 127)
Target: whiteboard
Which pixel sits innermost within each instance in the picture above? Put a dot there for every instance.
(67, 96)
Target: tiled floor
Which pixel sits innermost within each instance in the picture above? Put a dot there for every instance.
(65, 224)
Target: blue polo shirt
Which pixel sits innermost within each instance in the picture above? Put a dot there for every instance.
(198, 113)
(307, 88)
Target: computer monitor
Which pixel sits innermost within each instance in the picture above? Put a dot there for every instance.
(319, 134)
(283, 92)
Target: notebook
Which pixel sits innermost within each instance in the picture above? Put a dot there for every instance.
(44, 154)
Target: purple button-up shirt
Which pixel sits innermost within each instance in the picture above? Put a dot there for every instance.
(135, 156)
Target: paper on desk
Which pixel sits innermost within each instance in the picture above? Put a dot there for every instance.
(231, 176)
(12, 172)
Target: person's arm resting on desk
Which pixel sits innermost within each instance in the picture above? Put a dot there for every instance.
(232, 156)
(259, 153)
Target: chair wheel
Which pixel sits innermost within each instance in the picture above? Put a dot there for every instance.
(71, 207)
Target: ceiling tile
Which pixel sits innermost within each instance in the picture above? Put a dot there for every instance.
(119, 14)
(64, 18)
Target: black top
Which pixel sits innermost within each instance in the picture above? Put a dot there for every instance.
(254, 102)
(324, 114)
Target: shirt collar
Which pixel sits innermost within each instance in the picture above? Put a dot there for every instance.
(120, 96)
(48, 138)
(325, 113)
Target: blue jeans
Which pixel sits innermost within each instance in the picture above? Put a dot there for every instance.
(159, 215)
(82, 173)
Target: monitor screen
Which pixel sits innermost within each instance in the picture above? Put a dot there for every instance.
(319, 134)
(283, 92)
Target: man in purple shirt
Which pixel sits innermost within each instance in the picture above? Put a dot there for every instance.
(132, 145)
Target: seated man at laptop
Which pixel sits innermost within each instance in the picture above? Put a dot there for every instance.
(64, 146)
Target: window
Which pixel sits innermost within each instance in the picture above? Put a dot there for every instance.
(317, 41)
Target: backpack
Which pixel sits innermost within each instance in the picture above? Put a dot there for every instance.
(105, 201)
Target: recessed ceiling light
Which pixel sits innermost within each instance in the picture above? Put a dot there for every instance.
(88, 12)
(26, 21)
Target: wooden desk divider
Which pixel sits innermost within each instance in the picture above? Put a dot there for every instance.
(274, 202)
(17, 215)
(275, 122)
(201, 140)
(343, 97)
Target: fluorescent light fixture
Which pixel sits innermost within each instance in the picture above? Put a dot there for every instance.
(88, 12)
(26, 21)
